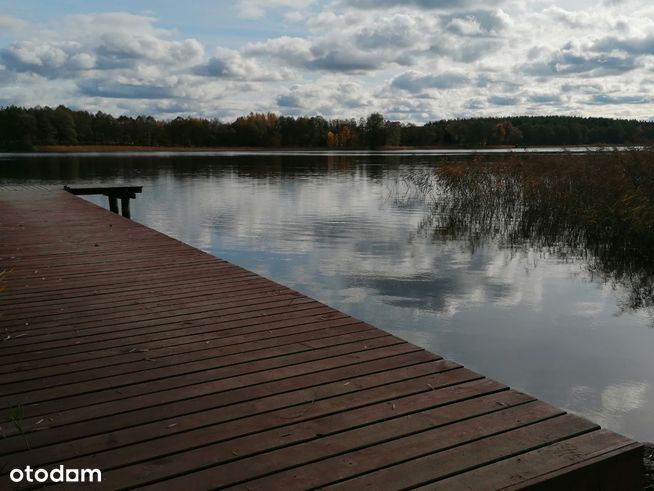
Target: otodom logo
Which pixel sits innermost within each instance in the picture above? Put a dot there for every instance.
(58, 474)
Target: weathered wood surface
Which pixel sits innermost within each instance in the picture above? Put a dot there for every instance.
(128, 351)
(113, 190)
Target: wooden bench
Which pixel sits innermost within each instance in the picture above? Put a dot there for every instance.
(124, 193)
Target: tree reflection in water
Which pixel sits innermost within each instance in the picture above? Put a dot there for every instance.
(598, 207)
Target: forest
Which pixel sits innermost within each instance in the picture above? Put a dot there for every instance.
(25, 129)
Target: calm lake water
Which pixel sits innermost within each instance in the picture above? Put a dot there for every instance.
(349, 231)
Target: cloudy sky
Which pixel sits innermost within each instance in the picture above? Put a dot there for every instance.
(412, 60)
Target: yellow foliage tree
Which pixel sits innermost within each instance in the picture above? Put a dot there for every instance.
(332, 140)
(345, 136)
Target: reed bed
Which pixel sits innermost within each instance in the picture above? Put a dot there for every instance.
(597, 206)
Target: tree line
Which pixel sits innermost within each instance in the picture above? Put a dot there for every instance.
(29, 128)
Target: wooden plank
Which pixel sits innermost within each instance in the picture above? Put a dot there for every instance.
(372, 463)
(242, 459)
(99, 301)
(244, 400)
(242, 326)
(115, 286)
(556, 467)
(195, 372)
(505, 444)
(199, 383)
(308, 333)
(131, 288)
(94, 269)
(253, 334)
(95, 335)
(88, 190)
(210, 427)
(36, 331)
(36, 334)
(149, 366)
(46, 319)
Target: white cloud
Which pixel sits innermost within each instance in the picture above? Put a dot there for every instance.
(336, 56)
(45, 59)
(329, 97)
(416, 82)
(479, 23)
(230, 64)
(256, 9)
(113, 56)
(573, 59)
(421, 4)
(504, 100)
(292, 50)
(103, 41)
(414, 60)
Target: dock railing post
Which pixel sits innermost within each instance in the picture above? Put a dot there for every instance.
(113, 203)
(124, 206)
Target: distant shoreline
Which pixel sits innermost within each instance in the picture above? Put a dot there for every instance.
(143, 148)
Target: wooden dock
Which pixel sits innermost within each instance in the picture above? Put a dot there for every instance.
(166, 368)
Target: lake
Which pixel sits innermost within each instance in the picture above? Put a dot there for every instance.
(356, 232)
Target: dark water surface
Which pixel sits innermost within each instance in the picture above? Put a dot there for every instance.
(349, 231)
